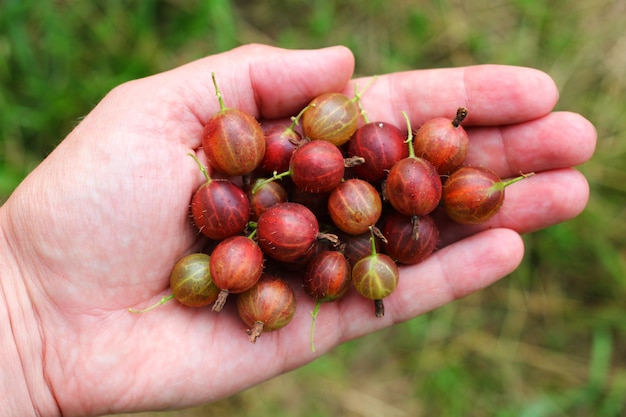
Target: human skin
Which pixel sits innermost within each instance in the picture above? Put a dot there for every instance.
(98, 225)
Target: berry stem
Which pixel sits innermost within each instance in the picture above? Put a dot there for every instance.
(357, 97)
(461, 114)
(202, 167)
(160, 302)
(363, 113)
(415, 227)
(353, 161)
(409, 139)
(295, 120)
(255, 331)
(221, 301)
(218, 93)
(330, 237)
(373, 241)
(314, 314)
(379, 308)
(504, 184)
(274, 177)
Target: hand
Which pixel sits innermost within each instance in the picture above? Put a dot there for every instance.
(97, 226)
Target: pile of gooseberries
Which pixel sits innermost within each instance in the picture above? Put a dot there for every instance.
(332, 199)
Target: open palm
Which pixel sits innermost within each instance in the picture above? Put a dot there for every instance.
(97, 227)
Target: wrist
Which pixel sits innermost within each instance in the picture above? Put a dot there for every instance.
(23, 387)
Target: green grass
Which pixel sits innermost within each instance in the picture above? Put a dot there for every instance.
(550, 340)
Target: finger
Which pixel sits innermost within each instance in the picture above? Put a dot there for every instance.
(532, 204)
(265, 81)
(558, 140)
(494, 95)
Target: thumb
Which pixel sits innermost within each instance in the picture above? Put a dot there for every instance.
(266, 81)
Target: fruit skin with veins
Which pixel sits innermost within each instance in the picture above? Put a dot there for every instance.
(413, 187)
(355, 247)
(443, 142)
(219, 208)
(474, 194)
(265, 196)
(355, 206)
(410, 239)
(191, 281)
(287, 231)
(280, 142)
(375, 277)
(317, 167)
(381, 145)
(268, 306)
(326, 279)
(233, 140)
(327, 276)
(236, 265)
(331, 117)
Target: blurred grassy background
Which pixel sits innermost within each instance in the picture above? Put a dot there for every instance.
(550, 340)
